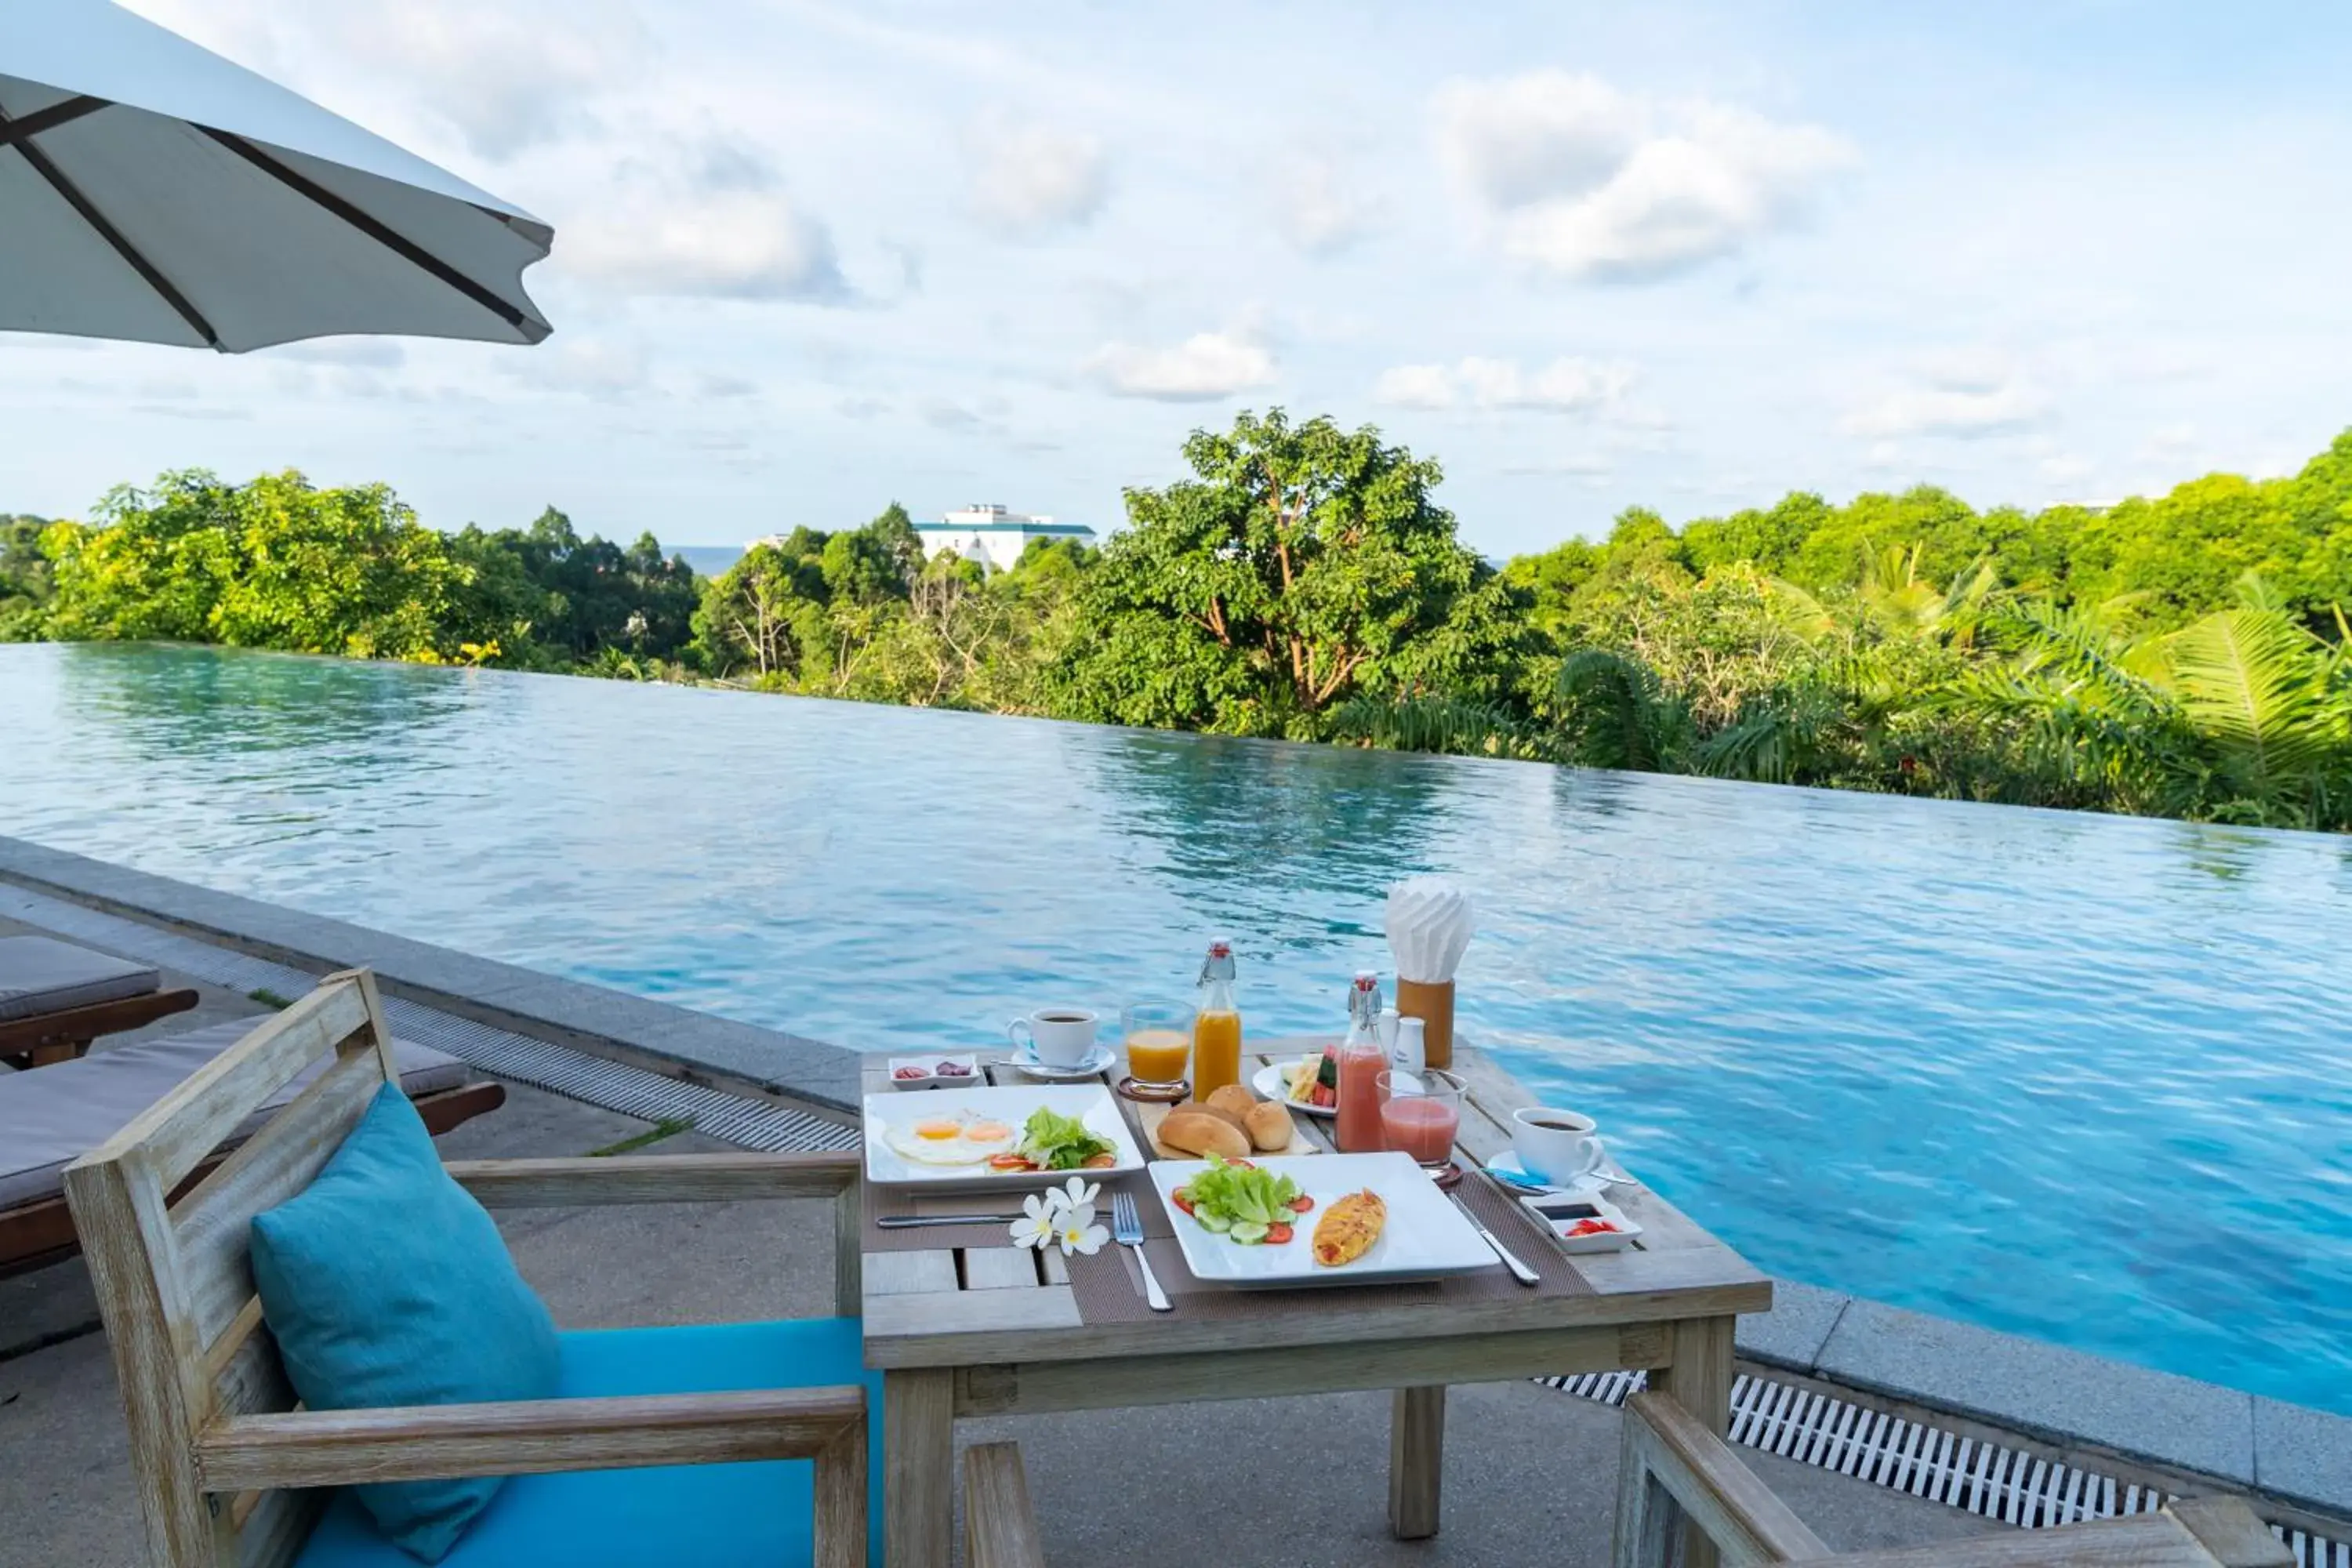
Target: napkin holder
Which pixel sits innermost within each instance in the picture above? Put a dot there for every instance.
(1431, 1002)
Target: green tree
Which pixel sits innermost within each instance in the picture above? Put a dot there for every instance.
(1301, 565)
(275, 563)
(26, 579)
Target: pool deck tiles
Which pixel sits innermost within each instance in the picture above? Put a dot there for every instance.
(2045, 1391)
(1795, 1332)
(2304, 1455)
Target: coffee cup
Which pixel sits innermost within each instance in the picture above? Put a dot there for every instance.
(1555, 1146)
(1057, 1036)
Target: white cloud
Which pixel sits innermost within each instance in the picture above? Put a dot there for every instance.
(1317, 208)
(1525, 138)
(2065, 469)
(1204, 366)
(1030, 179)
(508, 75)
(1581, 180)
(714, 223)
(1566, 386)
(1963, 412)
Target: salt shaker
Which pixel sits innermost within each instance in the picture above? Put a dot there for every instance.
(1407, 1052)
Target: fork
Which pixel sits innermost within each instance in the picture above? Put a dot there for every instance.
(1126, 1229)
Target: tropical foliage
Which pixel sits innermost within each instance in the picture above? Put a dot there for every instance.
(2181, 654)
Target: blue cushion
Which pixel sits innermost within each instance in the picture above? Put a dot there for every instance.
(692, 1516)
(385, 1283)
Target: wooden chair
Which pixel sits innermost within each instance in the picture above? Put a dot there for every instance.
(222, 1458)
(1676, 1471)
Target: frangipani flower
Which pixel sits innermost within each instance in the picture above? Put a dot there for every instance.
(1076, 1231)
(1077, 1193)
(1036, 1225)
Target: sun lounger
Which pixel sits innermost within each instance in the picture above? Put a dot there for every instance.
(52, 1117)
(55, 998)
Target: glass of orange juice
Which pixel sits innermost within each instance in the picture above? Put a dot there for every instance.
(1158, 1046)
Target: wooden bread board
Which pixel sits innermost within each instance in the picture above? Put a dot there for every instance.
(1148, 1116)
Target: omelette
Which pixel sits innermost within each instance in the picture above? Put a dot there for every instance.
(1348, 1228)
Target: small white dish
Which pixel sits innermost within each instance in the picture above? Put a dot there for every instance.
(1425, 1237)
(923, 1072)
(1272, 1082)
(1090, 1103)
(1561, 1212)
(1093, 1064)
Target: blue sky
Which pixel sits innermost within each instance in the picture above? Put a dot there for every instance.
(811, 258)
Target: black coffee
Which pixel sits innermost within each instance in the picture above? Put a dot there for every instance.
(1554, 1126)
(1061, 1017)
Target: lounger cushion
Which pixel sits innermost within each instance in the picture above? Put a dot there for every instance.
(756, 1515)
(54, 1115)
(39, 974)
(386, 1284)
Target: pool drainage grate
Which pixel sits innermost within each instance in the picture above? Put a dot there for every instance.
(615, 1085)
(1971, 1473)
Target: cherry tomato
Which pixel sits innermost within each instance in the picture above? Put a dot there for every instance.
(1278, 1232)
(1009, 1162)
(1102, 1161)
(1183, 1200)
(1301, 1204)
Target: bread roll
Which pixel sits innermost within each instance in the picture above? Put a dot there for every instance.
(1196, 1108)
(1233, 1099)
(1269, 1127)
(1193, 1132)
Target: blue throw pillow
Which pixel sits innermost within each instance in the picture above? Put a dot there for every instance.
(385, 1283)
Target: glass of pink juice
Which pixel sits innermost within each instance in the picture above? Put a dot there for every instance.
(1421, 1121)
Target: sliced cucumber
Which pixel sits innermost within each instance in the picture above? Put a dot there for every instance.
(1248, 1232)
(1212, 1222)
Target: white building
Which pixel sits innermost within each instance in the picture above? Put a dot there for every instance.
(986, 533)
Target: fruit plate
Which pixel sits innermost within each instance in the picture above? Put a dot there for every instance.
(1271, 1080)
(1426, 1237)
(891, 1118)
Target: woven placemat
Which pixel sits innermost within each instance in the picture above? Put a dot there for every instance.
(1108, 1287)
(879, 1201)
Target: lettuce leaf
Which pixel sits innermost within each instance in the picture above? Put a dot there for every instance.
(1059, 1142)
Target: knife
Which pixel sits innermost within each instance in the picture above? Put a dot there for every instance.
(1520, 1271)
(910, 1220)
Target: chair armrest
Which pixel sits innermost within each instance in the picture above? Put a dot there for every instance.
(1667, 1446)
(430, 1442)
(655, 1179)
(1000, 1528)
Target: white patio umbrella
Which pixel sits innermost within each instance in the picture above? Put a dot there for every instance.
(154, 191)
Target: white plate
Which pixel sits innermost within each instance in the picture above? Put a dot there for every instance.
(1269, 1081)
(1090, 1103)
(1425, 1237)
(1093, 1064)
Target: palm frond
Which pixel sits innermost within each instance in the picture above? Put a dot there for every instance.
(2252, 683)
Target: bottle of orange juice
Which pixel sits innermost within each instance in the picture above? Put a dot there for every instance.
(1217, 1025)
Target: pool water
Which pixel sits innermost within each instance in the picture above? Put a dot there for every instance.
(2082, 1077)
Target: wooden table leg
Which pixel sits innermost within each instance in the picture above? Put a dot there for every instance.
(1416, 1462)
(917, 1467)
(1700, 1381)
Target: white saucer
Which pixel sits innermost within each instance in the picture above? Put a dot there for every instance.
(1092, 1064)
(1507, 1163)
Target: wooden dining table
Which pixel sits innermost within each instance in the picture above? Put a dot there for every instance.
(988, 1329)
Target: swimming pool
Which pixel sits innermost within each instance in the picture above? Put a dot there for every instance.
(2082, 1078)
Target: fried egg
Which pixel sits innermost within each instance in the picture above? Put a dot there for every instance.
(962, 1139)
